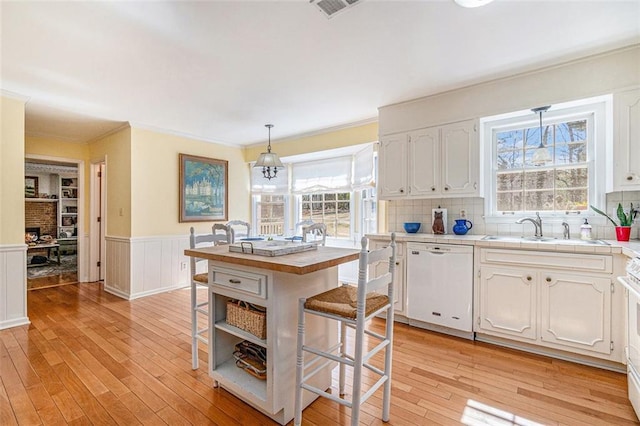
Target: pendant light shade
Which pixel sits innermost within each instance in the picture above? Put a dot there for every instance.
(269, 161)
(541, 155)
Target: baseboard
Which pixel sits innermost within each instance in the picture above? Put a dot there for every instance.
(14, 323)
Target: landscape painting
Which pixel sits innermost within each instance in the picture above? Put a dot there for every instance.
(203, 189)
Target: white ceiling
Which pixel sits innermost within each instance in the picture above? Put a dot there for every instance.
(220, 70)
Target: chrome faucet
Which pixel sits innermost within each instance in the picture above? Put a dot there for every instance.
(566, 234)
(536, 222)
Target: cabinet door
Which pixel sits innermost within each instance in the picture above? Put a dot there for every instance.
(575, 311)
(424, 162)
(459, 162)
(508, 302)
(392, 172)
(626, 168)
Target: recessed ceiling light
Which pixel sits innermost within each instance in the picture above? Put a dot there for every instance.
(472, 3)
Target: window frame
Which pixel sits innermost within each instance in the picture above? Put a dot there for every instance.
(599, 114)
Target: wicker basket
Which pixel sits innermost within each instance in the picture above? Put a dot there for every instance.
(242, 315)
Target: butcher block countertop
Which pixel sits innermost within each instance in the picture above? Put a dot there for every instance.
(295, 263)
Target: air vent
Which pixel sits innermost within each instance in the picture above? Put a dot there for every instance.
(332, 7)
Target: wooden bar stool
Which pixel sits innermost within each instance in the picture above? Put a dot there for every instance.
(351, 307)
(200, 277)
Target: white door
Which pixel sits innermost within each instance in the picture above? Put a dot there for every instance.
(424, 162)
(392, 172)
(508, 302)
(626, 168)
(459, 159)
(576, 311)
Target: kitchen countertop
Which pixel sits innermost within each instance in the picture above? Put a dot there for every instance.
(295, 263)
(629, 249)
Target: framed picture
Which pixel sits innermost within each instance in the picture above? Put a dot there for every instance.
(203, 189)
(31, 186)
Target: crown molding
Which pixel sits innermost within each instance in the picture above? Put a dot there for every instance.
(13, 95)
(143, 126)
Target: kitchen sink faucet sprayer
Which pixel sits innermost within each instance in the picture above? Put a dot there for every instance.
(537, 222)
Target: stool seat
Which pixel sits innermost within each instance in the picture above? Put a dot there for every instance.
(343, 301)
(202, 278)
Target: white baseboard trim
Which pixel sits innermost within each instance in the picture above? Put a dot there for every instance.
(141, 266)
(14, 323)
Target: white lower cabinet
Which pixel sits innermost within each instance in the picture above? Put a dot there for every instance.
(399, 287)
(508, 302)
(557, 300)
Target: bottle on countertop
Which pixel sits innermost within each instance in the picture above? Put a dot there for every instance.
(585, 230)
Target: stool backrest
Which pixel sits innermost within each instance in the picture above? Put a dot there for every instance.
(317, 230)
(368, 257)
(241, 229)
(222, 234)
(199, 241)
(299, 225)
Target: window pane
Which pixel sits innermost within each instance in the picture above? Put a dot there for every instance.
(573, 199)
(571, 131)
(328, 197)
(306, 198)
(509, 181)
(509, 201)
(539, 200)
(575, 152)
(509, 160)
(509, 141)
(316, 197)
(572, 178)
(542, 179)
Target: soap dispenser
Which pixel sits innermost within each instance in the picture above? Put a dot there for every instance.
(585, 230)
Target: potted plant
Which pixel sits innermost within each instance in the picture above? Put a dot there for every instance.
(623, 230)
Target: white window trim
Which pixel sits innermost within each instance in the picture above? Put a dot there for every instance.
(602, 109)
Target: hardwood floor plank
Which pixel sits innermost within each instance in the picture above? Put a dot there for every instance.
(89, 357)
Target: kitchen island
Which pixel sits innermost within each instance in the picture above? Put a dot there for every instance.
(274, 283)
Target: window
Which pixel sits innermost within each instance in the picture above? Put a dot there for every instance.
(332, 187)
(270, 214)
(332, 209)
(563, 184)
(574, 136)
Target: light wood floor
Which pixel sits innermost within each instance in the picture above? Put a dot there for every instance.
(91, 358)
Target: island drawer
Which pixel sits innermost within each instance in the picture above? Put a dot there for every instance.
(241, 281)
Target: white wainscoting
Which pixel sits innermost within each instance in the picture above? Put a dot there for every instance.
(13, 285)
(142, 266)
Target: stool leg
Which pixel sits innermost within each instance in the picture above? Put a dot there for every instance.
(386, 398)
(194, 328)
(343, 351)
(299, 364)
(357, 368)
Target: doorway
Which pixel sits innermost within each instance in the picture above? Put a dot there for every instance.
(53, 216)
(97, 214)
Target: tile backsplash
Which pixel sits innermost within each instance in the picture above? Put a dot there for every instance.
(400, 211)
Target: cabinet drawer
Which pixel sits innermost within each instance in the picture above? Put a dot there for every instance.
(244, 282)
(598, 263)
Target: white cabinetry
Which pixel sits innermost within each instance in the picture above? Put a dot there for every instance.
(434, 162)
(399, 286)
(68, 205)
(278, 292)
(626, 158)
(558, 300)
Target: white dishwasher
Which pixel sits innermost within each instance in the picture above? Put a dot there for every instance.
(440, 287)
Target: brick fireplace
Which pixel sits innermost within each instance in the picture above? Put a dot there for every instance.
(42, 215)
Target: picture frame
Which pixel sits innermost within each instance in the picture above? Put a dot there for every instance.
(31, 186)
(204, 189)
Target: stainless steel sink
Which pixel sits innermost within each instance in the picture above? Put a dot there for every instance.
(549, 240)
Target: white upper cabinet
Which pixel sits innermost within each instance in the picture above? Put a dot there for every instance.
(392, 161)
(626, 156)
(434, 162)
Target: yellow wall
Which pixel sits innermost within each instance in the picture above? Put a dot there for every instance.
(332, 139)
(64, 151)
(116, 150)
(11, 171)
(155, 175)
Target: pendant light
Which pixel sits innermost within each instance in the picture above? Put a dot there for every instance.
(541, 155)
(269, 161)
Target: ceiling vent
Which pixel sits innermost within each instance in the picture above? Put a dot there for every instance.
(332, 7)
